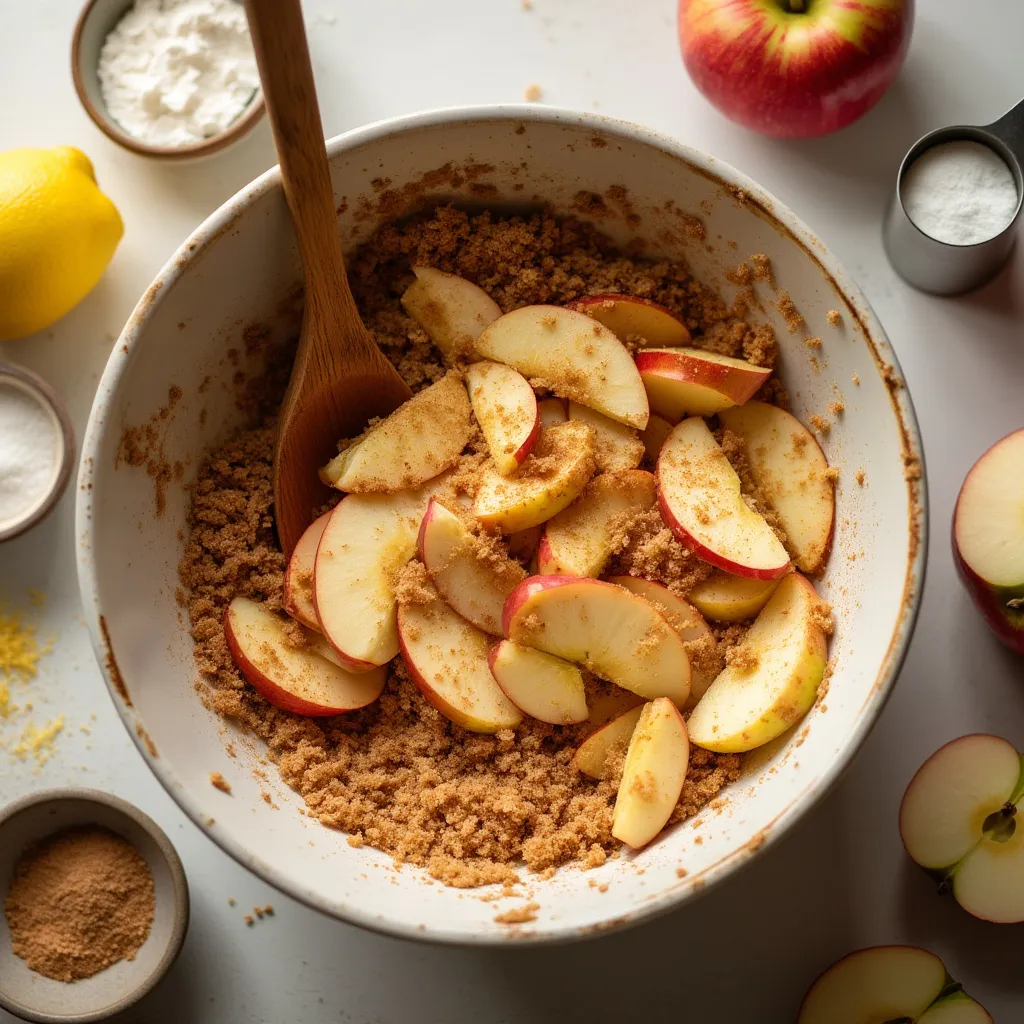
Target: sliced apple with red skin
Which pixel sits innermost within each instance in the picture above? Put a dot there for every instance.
(727, 598)
(770, 682)
(580, 540)
(295, 678)
(298, 577)
(629, 316)
(552, 411)
(692, 382)
(988, 538)
(701, 502)
(654, 435)
(613, 633)
(420, 439)
(572, 355)
(447, 659)
(472, 578)
(593, 753)
(452, 310)
(616, 446)
(791, 471)
(506, 409)
(540, 685)
(960, 821)
(653, 776)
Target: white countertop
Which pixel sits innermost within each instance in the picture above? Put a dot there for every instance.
(746, 952)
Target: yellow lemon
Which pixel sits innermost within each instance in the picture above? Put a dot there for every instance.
(57, 234)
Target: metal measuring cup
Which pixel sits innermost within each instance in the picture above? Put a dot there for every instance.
(943, 268)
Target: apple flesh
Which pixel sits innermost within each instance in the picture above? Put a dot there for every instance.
(452, 310)
(593, 754)
(540, 685)
(727, 598)
(616, 446)
(691, 382)
(506, 409)
(298, 577)
(956, 1008)
(988, 538)
(552, 411)
(653, 436)
(628, 316)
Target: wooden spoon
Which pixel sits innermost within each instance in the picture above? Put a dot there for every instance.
(340, 378)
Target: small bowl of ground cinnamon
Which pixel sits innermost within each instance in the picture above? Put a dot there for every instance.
(95, 906)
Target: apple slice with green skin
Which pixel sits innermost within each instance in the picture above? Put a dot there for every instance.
(653, 437)
(452, 310)
(592, 754)
(506, 409)
(572, 355)
(959, 820)
(791, 470)
(580, 540)
(540, 685)
(295, 678)
(561, 464)
(727, 598)
(447, 659)
(629, 316)
(772, 679)
(691, 382)
(988, 538)
(552, 411)
(701, 502)
(472, 577)
(606, 629)
(420, 439)
(653, 776)
(616, 446)
(298, 577)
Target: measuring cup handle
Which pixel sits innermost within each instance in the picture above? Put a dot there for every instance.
(1010, 129)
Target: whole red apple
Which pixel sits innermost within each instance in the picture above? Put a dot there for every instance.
(794, 68)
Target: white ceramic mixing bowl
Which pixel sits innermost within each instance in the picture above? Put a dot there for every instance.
(240, 268)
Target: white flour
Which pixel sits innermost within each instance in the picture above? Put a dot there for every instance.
(959, 192)
(30, 450)
(174, 72)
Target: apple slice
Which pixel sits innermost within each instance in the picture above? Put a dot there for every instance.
(447, 659)
(616, 446)
(572, 355)
(654, 435)
(613, 633)
(727, 598)
(420, 439)
(611, 704)
(581, 539)
(791, 470)
(506, 409)
(701, 502)
(654, 773)
(293, 676)
(691, 382)
(631, 317)
(552, 411)
(452, 310)
(541, 685)
(553, 475)
(298, 577)
(470, 574)
(988, 538)
(522, 546)
(959, 821)
(772, 679)
(592, 754)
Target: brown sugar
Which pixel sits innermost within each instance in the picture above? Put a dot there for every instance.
(518, 915)
(219, 782)
(792, 316)
(763, 268)
(834, 317)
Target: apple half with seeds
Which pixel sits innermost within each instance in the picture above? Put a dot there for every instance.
(629, 316)
(692, 382)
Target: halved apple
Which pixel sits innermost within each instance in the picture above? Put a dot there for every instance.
(616, 446)
(572, 355)
(629, 316)
(506, 409)
(295, 677)
(472, 577)
(541, 685)
(653, 436)
(452, 310)
(592, 754)
(613, 633)
(298, 577)
(556, 471)
(956, 1008)
(701, 502)
(654, 773)
(691, 382)
(580, 540)
(727, 598)
(552, 411)
(420, 439)
(792, 472)
(772, 679)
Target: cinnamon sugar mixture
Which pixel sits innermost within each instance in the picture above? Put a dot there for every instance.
(397, 775)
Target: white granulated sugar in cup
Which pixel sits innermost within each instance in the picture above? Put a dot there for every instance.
(960, 192)
(31, 448)
(175, 72)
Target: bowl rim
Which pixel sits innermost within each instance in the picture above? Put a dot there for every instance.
(764, 204)
(182, 903)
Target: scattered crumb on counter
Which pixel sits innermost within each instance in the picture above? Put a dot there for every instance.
(231, 901)
(856, 379)
(219, 782)
(834, 317)
(533, 93)
(860, 476)
(249, 920)
(681, 872)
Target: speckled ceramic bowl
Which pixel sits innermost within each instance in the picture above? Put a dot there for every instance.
(240, 268)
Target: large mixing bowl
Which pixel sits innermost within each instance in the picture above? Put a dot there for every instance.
(240, 268)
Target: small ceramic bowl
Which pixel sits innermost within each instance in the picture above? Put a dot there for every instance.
(29, 383)
(94, 24)
(34, 997)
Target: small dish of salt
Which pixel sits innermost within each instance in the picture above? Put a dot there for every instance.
(37, 448)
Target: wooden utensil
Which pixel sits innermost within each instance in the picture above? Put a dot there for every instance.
(340, 378)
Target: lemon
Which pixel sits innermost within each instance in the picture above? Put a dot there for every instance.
(57, 234)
